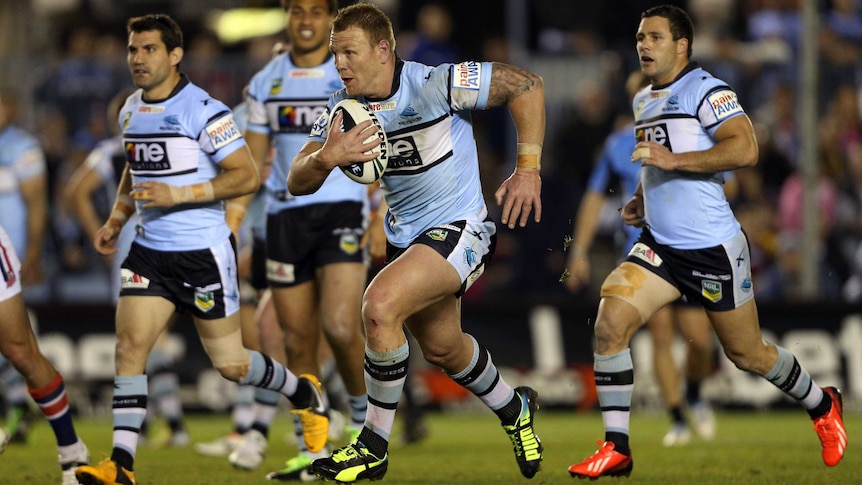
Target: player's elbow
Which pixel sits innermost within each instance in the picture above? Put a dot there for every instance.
(751, 155)
(250, 182)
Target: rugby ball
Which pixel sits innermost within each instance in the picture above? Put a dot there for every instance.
(355, 113)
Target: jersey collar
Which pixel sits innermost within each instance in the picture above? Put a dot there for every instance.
(687, 69)
(396, 80)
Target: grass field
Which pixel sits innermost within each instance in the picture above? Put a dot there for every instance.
(774, 448)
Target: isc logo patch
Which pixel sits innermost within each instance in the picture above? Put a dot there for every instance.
(132, 280)
(645, 253)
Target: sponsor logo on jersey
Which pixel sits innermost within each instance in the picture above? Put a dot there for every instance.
(404, 153)
(131, 280)
(437, 234)
(658, 94)
(204, 300)
(349, 243)
(279, 272)
(147, 155)
(711, 290)
(171, 123)
(672, 104)
(298, 118)
(223, 131)
(306, 73)
(657, 133)
(639, 107)
(645, 253)
(127, 117)
(385, 106)
(724, 104)
(145, 108)
(275, 87)
(467, 75)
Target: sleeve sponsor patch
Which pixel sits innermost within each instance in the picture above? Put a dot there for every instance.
(223, 131)
(724, 104)
(467, 75)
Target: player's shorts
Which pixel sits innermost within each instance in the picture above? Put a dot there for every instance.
(300, 240)
(719, 277)
(258, 263)
(202, 281)
(466, 245)
(10, 268)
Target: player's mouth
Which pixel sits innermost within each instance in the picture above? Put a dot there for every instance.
(647, 60)
(306, 34)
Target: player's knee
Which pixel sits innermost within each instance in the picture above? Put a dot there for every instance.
(233, 372)
(740, 359)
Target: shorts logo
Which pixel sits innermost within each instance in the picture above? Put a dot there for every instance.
(204, 300)
(437, 234)
(645, 253)
(469, 257)
(349, 243)
(131, 280)
(746, 285)
(711, 290)
(279, 272)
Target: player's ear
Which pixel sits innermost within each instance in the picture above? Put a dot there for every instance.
(682, 46)
(176, 56)
(383, 50)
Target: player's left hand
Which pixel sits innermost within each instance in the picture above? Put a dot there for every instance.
(154, 194)
(652, 154)
(519, 195)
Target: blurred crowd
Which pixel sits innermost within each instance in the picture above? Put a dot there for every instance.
(584, 52)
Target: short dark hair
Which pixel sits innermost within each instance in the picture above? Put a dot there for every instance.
(681, 26)
(368, 17)
(333, 5)
(172, 36)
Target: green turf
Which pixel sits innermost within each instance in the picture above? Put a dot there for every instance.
(774, 448)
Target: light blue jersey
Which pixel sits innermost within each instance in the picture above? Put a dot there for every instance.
(284, 101)
(615, 161)
(21, 158)
(432, 176)
(179, 141)
(686, 210)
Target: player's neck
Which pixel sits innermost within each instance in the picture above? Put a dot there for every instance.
(311, 58)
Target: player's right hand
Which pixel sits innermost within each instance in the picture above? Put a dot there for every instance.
(105, 241)
(633, 212)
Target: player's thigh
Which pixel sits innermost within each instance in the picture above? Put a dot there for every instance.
(222, 340)
(437, 328)
(661, 328)
(141, 320)
(633, 287)
(297, 308)
(738, 330)
(16, 335)
(694, 325)
(415, 280)
(341, 286)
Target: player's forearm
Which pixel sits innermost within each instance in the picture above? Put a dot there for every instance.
(587, 222)
(307, 173)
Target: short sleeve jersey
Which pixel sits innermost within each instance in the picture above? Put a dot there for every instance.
(432, 175)
(179, 141)
(21, 158)
(284, 101)
(686, 210)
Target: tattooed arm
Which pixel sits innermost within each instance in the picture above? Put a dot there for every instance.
(523, 92)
